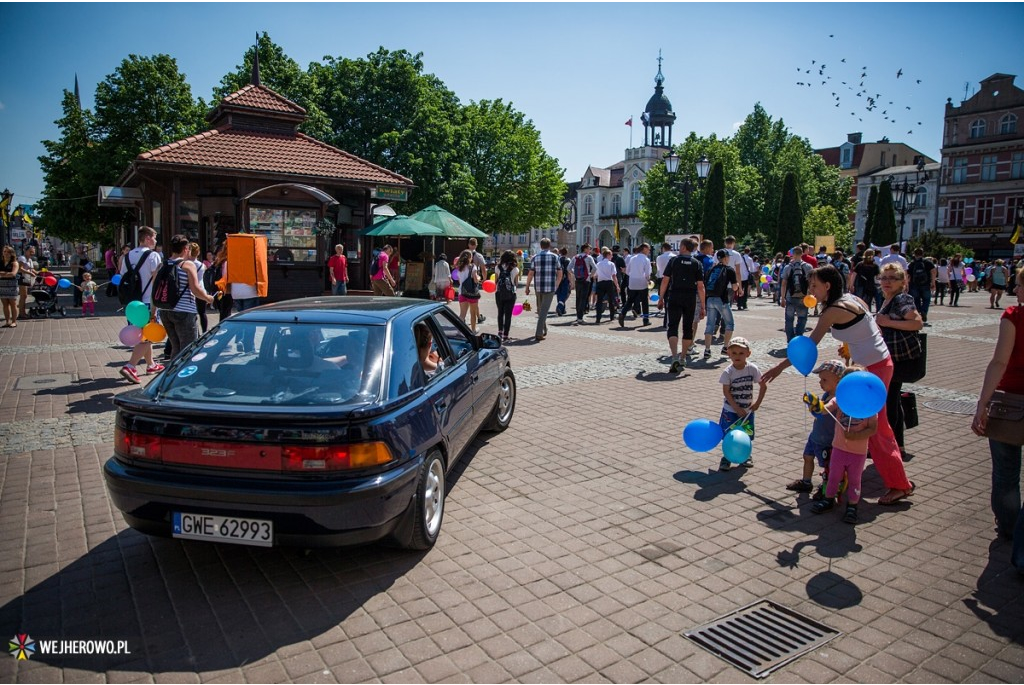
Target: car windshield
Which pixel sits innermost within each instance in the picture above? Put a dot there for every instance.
(281, 364)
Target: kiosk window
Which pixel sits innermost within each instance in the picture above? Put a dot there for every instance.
(290, 234)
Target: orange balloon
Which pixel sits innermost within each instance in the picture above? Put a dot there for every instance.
(154, 332)
(810, 301)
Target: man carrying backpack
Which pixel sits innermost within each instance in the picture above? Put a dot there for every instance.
(685, 286)
(582, 270)
(795, 277)
(138, 269)
(921, 273)
(176, 289)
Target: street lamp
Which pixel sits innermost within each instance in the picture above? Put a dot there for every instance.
(6, 197)
(703, 166)
(904, 194)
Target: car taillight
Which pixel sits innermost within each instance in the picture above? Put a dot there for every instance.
(137, 445)
(334, 457)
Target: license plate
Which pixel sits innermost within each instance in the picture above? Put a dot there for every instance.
(231, 529)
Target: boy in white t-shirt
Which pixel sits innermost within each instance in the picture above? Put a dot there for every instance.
(738, 381)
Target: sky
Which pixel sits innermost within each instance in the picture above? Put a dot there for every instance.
(579, 71)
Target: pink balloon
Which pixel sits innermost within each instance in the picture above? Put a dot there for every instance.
(130, 336)
(517, 309)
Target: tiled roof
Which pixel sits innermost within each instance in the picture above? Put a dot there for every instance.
(243, 150)
(260, 97)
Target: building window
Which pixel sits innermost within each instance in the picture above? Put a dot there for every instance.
(1017, 165)
(922, 197)
(1008, 124)
(588, 205)
(960, 170)
(586, 235)
(916, 226)
(956, 213)
(847, 157)
(634, 195)
(977, 128)
(617, 204)
(881, 162)
(1012, 203)
(983, 214)
(988, 168)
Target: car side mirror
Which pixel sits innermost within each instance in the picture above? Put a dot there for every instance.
(489, 341)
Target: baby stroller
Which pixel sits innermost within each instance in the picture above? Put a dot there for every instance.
(45, 297)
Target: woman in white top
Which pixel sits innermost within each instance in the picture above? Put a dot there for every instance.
(442, 276)
(847, 318)
(957, 278)
(194, 252)
(469, 288)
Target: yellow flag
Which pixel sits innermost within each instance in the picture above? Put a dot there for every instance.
(1016, 234)
(5, 205)
(616, 230)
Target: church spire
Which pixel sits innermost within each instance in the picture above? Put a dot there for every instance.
(256, 62)
(659, 79)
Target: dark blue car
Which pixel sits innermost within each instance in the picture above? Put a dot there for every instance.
(310, 422)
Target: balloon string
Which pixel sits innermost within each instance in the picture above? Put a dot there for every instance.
(739, 421)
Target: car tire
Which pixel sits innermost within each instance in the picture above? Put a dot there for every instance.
(427, 507)
(505, 406)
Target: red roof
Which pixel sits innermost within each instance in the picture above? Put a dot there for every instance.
(261, 97)
(244, 150)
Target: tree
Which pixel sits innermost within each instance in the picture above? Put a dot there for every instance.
(884, 230)
(791, 219)
(516, 185)
(937, 245)
(869, 224)
(822, 220)
(713, 223)
(282, 74)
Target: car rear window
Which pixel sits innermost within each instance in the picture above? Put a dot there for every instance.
(291, 364)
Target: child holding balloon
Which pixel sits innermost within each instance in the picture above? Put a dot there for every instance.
(88, 289)
(849, 455)
(738, 381)
(819, 442)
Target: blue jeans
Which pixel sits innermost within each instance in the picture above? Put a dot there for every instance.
(717, 309)
(922, 295)
(339, 288)
(795, 309)
(1006, 497)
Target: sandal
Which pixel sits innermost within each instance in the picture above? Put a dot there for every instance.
(894, 496)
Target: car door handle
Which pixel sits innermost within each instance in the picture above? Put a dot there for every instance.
(441, 405)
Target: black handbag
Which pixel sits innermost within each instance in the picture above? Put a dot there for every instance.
(470, 288)
(913, 370)
(908, 401)
(1005, 418)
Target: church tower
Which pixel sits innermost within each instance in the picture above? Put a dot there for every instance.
(658, 116)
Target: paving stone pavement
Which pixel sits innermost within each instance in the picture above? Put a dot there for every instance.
(577, 546)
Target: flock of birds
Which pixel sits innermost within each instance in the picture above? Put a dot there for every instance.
(846, 77)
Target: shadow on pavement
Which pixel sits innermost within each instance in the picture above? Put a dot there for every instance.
(999, 597)
(713, 482)
(95, 401)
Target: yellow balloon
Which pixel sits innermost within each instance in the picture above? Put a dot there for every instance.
(154, 332)
(494, 277)
(764, 279)
(810, 301)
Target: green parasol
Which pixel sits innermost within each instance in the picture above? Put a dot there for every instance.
(451, 226)
(399, 226)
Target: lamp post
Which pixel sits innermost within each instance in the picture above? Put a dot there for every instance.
(904, 194)
(993, 241)
(7, 196)
(703, 166)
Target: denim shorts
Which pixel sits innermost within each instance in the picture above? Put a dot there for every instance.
(820, 452)
(728, 418)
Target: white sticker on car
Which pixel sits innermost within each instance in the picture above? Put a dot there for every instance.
(188, 371)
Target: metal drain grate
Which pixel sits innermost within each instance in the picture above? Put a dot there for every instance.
(952, 406)
(761, 637)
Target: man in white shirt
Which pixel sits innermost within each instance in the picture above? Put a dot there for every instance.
(894, 257)
(737, 263)
(638, 271)
(147, 261)
(667, 253)
(607, 277)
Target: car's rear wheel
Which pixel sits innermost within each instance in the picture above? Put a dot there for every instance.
(501, 416)
(427, 505)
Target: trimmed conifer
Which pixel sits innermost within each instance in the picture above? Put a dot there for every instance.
(791, 216)
(869, 224)
(884, 231)
(713, 223)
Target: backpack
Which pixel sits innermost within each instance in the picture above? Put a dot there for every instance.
(375, 264)
(579, 268)
(683, 272)
(717, 271)
(506, 288)
(918, 273)
(167, 291)
(797, 279)
(844, 270)
(130, 288)
(210, 278)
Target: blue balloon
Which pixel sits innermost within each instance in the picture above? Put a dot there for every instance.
(64, 283)
(702, 435)
(860, 394)
(736, 446)
(803, 354)
(655, 298)
(116, 280)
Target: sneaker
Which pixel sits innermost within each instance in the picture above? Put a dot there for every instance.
(622, 319)
(748, 464)
(155, 368)
(819, 493)
(707, 355)
(676, 366)
(851, 514)
(823, 505)
(725, 351)
(800, 486)
(130, 374)
(481, 318)
(724, 465)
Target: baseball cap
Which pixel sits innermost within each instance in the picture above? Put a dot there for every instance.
(739, 342)
(836, 366)
(722, 254)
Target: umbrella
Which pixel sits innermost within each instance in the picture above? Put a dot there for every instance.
(450, 225)
(399, 226)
